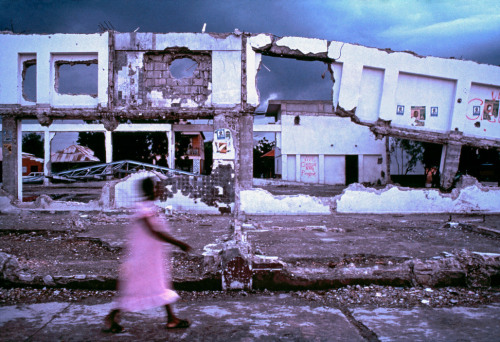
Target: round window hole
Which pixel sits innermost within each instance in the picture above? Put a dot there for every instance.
(477, 124)
(183, 68)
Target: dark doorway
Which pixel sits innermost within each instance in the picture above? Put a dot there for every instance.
(351, 169)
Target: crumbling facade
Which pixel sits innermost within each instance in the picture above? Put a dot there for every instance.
(160, 76)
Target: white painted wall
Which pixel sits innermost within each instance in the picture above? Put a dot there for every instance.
(226, 78)
(480, 125)
(376, 81)
(46, 48)
(358, 199)
(314, 151)
(317, 134)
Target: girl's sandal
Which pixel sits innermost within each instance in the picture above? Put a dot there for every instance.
(181, 324)
(115, 328)
(111, 325)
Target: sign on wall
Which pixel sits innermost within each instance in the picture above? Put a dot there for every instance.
(223, 144)
(417, 115)
(490, 111)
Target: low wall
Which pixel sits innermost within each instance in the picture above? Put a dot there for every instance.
(469, 197)
(212, 194)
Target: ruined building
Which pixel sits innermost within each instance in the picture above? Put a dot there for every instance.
(314, 145)
(444, 101)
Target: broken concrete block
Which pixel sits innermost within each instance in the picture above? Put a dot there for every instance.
(48, 280)
(9, 267)
(26, 277)
(263, 262)
(438, 272)
(236, 268)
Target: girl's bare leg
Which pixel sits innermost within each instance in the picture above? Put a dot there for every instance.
(172, 321)
(111, 322)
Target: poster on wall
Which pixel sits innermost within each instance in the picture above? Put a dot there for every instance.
(223, 144)
(417, 115)
(490, 111)
(476, 111)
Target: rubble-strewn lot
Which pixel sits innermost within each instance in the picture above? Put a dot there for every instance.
(383, 296)
(342, 247)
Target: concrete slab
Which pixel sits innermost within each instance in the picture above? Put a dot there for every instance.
(432, 324)
(266, 318)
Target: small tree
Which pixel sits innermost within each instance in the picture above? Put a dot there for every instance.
(406, 153)
(263, 166)
(33, 143)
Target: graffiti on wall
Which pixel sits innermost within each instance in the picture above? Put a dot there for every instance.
(308, 168)
(485, 110)
(417, 115)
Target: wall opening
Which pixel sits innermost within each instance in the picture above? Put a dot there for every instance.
(69, 151)
(144, 147)
(351, 169)
(174, 78)
(29, 80)
(194, 149)
(284, 79)
(291, 79)
(33, 153)
(76, 77)
(183, 68)
(483, 164)
(410, 159)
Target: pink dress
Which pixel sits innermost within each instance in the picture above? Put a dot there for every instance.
(145, 275)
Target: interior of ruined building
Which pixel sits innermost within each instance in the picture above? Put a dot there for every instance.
(187, 101)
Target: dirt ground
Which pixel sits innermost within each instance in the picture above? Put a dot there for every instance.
(73, 243)
(60, 243)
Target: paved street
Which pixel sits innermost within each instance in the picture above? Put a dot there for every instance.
(278, 317)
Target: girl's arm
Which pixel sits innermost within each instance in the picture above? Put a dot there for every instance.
(163, 236)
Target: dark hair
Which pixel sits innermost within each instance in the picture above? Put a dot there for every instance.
(148, 187)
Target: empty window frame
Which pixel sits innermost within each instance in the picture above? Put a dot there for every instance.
(27, 82)
(76, 75)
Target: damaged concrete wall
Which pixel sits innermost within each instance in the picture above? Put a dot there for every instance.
(143, 71)
(396, 84)
(358, 199)
(46, 51)
(214, 194)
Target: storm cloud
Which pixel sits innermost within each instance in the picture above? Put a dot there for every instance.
(459, 29)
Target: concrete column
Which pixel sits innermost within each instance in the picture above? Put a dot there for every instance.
(227, 121)
(171, 149)
(450, 166)
(12, 156)
(321, 167)
(443, 156)
(47, 163)
(297, 167)
(361, 169)
(245, 155)
(284, 166)
(108, 146)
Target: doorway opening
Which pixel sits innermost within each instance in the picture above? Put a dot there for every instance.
(351, 169)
